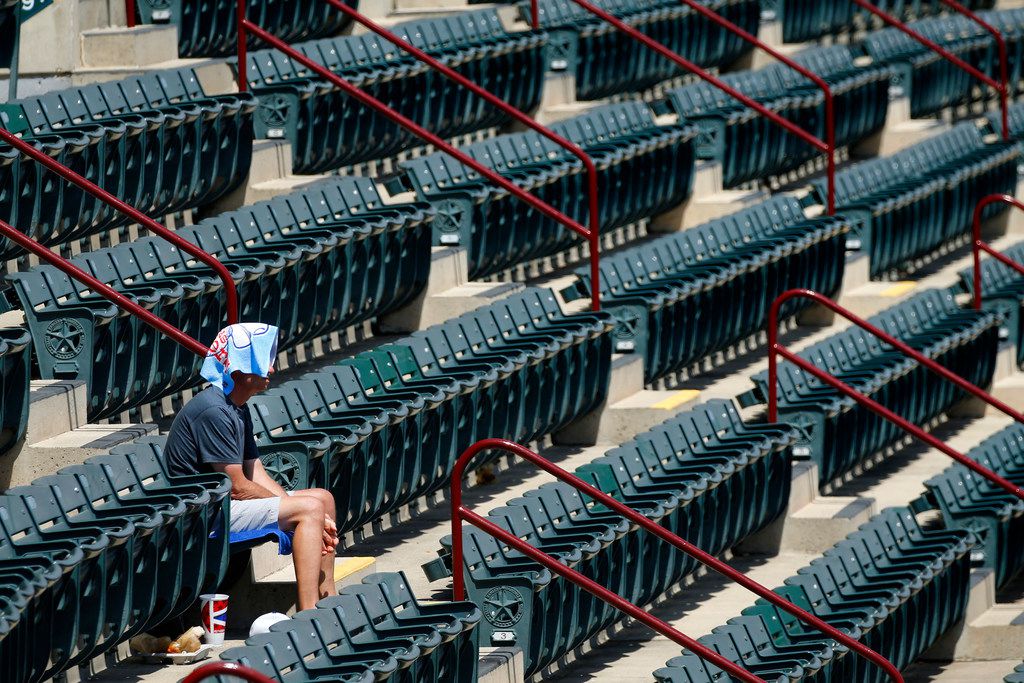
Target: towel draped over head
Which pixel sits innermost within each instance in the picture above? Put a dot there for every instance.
(245, 347)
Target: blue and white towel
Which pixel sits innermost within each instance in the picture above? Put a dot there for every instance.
(245, 347)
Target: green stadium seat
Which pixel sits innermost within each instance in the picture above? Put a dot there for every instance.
(910, 204)
(730, 132)
(15, 371)
(659, 289)
(840, 432)
(1002, 291)
(1017, 676)
(211, 30)
(385, 427)
(99, 552)
(327, 130)
(809, 20)
(932, 82)
(699, 474)
(607, 62)
(892, 584)
(313, 262)
(968, 501)
(373, 631)
(643, 170)
(156, 141)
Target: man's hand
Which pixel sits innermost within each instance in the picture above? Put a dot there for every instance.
(330, 536)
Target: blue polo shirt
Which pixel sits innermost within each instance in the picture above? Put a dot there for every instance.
(209, 429)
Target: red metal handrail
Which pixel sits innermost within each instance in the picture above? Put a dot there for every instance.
(826, 146)
(978, 245)
(592, 234)
(776, 349)
(129, 13)
(1002, 89)
(131, 212)
(104, 290)
(460, 513)
(226, 669)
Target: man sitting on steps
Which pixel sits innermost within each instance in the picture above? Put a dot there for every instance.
(214, 433)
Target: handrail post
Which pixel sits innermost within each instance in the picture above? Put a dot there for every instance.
(822, 146)
(592, 234)
(978, 245)
(243, 45)
(29, 150)
(129, 13)
(777, 349)
(460, 514)
(1001, 88)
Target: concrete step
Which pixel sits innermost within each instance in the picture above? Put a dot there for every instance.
(623, 419)
(100, 14)
(899, 477)
(55, 407)
(252, 596)
(27, 462)
(270, 175)
(431, 309)
(959, 672)
(141, 46)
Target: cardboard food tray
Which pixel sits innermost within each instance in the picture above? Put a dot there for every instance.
(181, 658)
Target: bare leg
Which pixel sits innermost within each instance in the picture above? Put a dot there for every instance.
(304, 516)
(326, 583)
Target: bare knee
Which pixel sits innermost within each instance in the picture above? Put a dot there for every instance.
(302, 509)
(326, 498)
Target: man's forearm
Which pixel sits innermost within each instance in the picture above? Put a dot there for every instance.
(249, 490)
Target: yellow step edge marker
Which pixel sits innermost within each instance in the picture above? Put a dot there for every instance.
(348, 566)
(677, 399)
(898, 289)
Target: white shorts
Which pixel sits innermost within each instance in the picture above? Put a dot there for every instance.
(250, 515)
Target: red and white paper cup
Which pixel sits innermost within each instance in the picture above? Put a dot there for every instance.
(215, 617)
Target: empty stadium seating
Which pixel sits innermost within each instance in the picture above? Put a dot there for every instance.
(696, 474)
(729, 131)
(663, 290)
(606, 62)
(1017, 676)
(370, 632)
(99, 552)
(328, 130)
(1002, 291)
(804, 20)
(932, 82)
(15, 372)
(210, 30)
(968, 501)
(840, 432)
(892, 584)
(385, 426)
(157, 142)
(311, 262)
(643, 169)
(910, 204)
